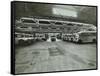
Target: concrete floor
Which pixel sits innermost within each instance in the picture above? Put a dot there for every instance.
(55, 56)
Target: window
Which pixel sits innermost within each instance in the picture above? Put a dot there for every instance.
(90, 29)
(23, 27)
(93, 34)
(28, 21)
(44, 22)
(21, 35)
(41, 36)
(44, 27)
(30, 36)
(62, 28)
(27, 36)
(88, 34)
(70, 24)
(53, 28)
(58, 23)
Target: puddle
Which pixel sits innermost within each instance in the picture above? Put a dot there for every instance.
(78, 59)
(53, 51)
(26, 58)
(91, 64)
(20, 69)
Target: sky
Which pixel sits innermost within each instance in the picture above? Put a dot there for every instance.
(64, 10)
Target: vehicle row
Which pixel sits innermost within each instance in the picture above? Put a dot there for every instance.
(25, 39)
(81, 37)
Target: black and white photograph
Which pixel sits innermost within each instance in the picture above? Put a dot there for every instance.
(50, 37)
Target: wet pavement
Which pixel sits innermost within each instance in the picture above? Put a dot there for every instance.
(47, 56)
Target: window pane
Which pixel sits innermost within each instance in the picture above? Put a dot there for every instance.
(28, 21)
(58, 23)
(44, 22)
